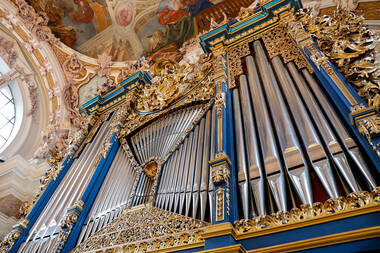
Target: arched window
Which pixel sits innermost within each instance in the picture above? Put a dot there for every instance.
(7, 107)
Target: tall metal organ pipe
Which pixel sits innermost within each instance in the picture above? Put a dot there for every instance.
(284, 127)
(47, 226)
(113, 195)
(186, 174)
(348, 143)
(242, 162)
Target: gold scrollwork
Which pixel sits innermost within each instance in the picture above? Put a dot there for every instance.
(145, 229)
(277, 41)
(172, 82)
(10, 239)
(220, 173)
(234, 62)
(369, 126)
(350, 45)
(220, 103)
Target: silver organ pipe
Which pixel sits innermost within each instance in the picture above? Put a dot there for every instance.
(255, 170)
(348, 142)
(284, 129)
(198, 169)
(266, 136)
(142, 190)
(174, 179)
(68, 192)
(242, 161)
(190, 183)
(313, 142)
(205, 166)
(162, 190)
(212, 156)
(289, 144)
(160, 137)
(171, 171)
(257, 176)
(324, 128)
(185, 175)
(180, 178)
(112, 197)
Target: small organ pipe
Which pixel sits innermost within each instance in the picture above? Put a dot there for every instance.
(192, 169)
(205, 165)
(186, 172)
(198, 168)
(212, 157)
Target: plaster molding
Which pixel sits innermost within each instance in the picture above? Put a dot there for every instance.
(20, 178)
(6, 224)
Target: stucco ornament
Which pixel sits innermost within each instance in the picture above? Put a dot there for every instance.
(104, 64)
(124, 14)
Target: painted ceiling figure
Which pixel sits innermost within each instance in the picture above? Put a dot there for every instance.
(196, 6)
(84, 13)
(67, 34)
(169, 16)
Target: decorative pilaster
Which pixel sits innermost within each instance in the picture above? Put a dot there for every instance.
(222, 168)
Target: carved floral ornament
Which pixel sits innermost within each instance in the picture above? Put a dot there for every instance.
(159, 230)
(9, 55)
(346, 42)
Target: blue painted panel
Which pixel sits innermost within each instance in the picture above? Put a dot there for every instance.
(191, 250)
(339, 226)
(368, 245)
(218, 242)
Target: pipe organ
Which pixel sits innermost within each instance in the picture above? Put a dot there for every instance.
(262, 136)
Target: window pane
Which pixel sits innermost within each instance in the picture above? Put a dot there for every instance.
(7, 92)
(7, 114)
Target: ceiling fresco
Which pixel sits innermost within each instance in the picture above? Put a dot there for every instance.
(171, 25)
(123, 29)
(74, 21)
